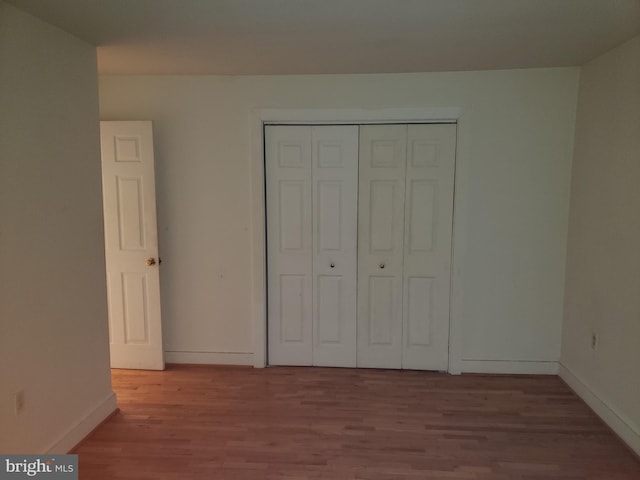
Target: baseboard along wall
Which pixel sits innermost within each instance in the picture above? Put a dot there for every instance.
(210, 358)
(618, 422)
(84, 426)
(524, 367)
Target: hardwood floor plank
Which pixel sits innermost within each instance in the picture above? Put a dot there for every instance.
(195, 422)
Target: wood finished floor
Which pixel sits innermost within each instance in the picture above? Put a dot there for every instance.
(320, 423)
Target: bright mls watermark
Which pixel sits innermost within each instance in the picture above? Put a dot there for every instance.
(53, 467)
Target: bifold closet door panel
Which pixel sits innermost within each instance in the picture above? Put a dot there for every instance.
(380, 244)
(289, 244)
(428, 219)
(335, 221)
(359, 225)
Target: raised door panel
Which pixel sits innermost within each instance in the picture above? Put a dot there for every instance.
(291, 206)
(419, 312)
(130, 213)
(380, 245)
(427, 246)
(329, 310)
(383, 216)
(289, 244)
(292, 305)
(421, 215)
(135, 293)
(335, 184)
(381, 307)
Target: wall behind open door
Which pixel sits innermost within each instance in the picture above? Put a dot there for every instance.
(515, 139)
(131, 245)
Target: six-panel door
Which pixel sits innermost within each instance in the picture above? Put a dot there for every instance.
(428, 223)
(335, 215)
(289, 244)
(380, 237)
(131, 245)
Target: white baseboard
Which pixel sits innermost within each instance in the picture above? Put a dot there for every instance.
(617, 421)
(209, 358)
(83, 427)
(524, 367)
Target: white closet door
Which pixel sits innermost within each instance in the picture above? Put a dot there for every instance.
(380, 244)
(335, 214)
(427, 246)
(289, 244)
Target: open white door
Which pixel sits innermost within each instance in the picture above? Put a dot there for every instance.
(131, 245)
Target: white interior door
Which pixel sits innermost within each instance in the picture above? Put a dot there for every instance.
(383, 151)
(289, 244)
(312, 181)
(335, 213)
(428, 216)
(131, 245)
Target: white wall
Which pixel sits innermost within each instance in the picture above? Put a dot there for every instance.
(603, 259)
(53, 323)
(511, 217)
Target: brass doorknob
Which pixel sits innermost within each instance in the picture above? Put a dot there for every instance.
(151, 261)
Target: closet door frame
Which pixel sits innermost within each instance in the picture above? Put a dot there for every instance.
(274, 116)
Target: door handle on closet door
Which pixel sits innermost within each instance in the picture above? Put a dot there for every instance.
(332, 264)
(382, 265)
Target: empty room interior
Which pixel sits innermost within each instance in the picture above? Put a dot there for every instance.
(324, 239)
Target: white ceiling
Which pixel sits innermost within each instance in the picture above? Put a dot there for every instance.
(339, 36)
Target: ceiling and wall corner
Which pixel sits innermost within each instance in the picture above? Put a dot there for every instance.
(266, 37)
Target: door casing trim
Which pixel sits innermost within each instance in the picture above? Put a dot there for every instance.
(262, 116)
